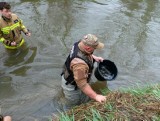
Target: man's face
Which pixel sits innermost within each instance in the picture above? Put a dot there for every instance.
(6, 13)
(89, 50)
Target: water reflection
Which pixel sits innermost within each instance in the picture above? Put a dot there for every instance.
(6, 89)
(138, 32)
(132, 5)
(128, 28)
(15, 57)
(17, 60)
(15, 63)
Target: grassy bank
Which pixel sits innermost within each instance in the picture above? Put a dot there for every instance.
(138, 104)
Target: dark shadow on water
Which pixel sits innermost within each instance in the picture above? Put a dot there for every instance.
(18, 59)
(14, 64)
(6, 89)
(17, 56)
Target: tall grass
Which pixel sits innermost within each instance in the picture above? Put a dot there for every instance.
(123, 105)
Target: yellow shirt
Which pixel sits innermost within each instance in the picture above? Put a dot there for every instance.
(11, 31)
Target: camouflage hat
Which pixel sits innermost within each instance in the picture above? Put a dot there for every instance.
(92, 40)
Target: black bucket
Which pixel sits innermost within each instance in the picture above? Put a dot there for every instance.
(106, 71)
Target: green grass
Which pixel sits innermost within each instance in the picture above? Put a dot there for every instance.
(153, 90)
(124, 105)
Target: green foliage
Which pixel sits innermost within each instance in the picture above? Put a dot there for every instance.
(109, 106)
(105, 91)
(156, 118)
(156, 93)
(65, 117)
(143, 90)
(127, 104)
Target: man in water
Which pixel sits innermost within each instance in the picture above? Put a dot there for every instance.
(11, 27)
(78, 69)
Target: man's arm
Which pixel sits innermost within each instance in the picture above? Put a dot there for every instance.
(92, 94)
(80, 72)
(24, 29)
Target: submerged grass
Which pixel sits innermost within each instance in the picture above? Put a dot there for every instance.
(139, 104)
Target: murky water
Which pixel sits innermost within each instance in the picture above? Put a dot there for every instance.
(30, 77)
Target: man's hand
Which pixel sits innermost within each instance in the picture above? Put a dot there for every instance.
(28, 34)
(100, 98)
(13, 43)
(97, 59)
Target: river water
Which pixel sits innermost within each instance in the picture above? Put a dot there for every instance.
(30, 77)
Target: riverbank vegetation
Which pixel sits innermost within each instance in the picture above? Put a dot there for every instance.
(138, 104)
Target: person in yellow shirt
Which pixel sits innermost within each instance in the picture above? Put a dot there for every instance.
(11, 27)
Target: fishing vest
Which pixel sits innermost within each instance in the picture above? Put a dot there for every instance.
(76, 53)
